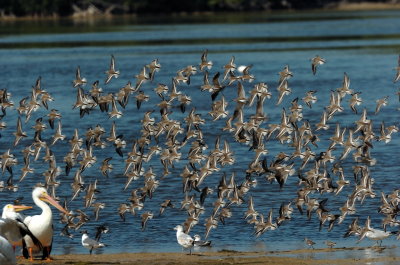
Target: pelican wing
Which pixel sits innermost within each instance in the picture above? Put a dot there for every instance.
(7, 256)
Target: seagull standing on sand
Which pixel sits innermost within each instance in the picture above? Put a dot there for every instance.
(89, 243)
(184, 239)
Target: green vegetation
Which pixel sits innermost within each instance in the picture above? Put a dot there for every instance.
(36, 7)
(69, 7)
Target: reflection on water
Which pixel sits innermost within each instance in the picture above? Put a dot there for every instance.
(266, 44)
(362, 44)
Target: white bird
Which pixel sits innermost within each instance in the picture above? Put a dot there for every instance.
(201, 243)
(378, 235)
(41, 225)
(89, 243)
(372, 233)
(12, 212)
(7, 256)
(10, 231)
(184, 239)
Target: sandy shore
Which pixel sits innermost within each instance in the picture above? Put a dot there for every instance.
(366, 6)
(294, 257)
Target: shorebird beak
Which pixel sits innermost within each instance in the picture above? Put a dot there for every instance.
(19, 208)
(49, 199)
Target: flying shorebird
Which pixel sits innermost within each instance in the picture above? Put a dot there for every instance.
(111, 72)
(381, 102)
(58, 134)
(229, 67)
(96, 209)
(19, 134)
(154, 67)
(397, 77)
(164, 205)
(310, 98)
(79, 81)
(315, 61)
(52, 116)
(106, 167)
(141, 78)
(146, 216)
(355, 100)
(204, 61)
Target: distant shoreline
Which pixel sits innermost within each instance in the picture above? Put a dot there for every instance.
(362, 6)
(365, 6)
(293, 257)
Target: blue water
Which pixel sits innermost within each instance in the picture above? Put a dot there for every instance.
(365, 45)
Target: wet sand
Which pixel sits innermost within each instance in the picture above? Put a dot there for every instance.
(294, 257)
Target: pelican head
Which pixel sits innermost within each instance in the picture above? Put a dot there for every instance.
(16, 208)
(41, 194)
(10, 211)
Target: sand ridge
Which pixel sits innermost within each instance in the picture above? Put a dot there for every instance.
(294, 257)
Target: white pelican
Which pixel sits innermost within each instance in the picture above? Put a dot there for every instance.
(12, 230)
(90, 243)
(184, 239)
(41, 225)
(7, 256)
(12, 212)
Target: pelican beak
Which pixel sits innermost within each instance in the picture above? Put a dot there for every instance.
(49, 199)
(19, 208)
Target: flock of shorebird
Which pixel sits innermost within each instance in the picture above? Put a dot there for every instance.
(165, 137)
